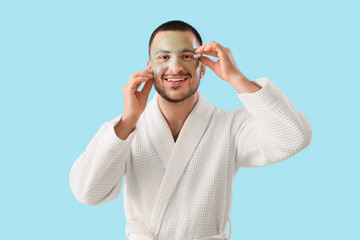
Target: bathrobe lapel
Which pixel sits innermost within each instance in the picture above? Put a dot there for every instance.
(175, 156)
(159, 131)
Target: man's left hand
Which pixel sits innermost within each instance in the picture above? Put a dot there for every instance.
(225, 67)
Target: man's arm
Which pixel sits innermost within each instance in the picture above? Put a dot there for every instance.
(97, 174)
(273, 130)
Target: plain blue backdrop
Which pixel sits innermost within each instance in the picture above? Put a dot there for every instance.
(62, 68)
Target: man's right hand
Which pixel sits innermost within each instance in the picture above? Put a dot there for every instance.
(134, 101)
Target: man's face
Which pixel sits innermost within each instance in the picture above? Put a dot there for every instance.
(172, 58)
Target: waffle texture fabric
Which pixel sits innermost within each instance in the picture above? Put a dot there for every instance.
(182, 190)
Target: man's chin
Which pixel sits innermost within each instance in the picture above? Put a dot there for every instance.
(173, 99)
(176, 96)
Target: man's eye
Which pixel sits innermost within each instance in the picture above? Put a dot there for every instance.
(188, 56)
(163, 57)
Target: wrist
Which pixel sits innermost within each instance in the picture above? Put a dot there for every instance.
(243, 85)
(128, 119)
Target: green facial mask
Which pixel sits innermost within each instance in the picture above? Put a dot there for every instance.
(174, 49)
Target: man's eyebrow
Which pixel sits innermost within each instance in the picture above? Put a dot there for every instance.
(182, 51)
(162, 51)
(187, 50)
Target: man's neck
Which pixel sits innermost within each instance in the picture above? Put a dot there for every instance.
(176, 113)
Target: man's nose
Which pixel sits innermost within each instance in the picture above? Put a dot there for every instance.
(175, 66)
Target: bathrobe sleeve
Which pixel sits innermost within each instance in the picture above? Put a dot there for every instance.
(97, 174)
(271, 129)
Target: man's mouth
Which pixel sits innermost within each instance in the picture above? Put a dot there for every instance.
(176, 78)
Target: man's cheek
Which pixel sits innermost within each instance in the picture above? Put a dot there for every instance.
(195, 69)
(158, 71)
(198, 70)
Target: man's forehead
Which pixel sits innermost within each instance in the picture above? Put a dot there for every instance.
(188, 34)
(174, 41)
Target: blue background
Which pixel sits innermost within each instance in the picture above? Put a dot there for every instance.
(62, 68)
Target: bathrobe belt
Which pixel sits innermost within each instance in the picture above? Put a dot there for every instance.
(136, 226)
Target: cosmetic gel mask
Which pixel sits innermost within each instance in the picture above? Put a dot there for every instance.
(174, 49)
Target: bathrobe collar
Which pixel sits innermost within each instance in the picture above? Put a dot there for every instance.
(174, 156)
(191, 132)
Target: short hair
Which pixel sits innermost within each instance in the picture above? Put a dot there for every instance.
(175, 25)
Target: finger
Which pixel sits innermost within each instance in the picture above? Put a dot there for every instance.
(213, 49)
(208, 51)
(211, 44)
(142, 73)
(207, 61)
(147, 87)
(148, 75)
(136, 82)
(140, 79)
(145, 72)
(201, 48)
(211, 52)
(149, 71)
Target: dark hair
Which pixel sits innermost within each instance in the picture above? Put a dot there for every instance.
(173, 26)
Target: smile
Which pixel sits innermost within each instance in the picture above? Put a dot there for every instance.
(176, 79)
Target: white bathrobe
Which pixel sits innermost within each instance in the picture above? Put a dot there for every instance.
(183, 190)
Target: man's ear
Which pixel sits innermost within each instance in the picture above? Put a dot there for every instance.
(148, 64)
(203, 69)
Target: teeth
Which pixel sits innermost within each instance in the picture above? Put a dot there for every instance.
(175, 79)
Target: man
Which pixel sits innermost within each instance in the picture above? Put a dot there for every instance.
(180, 154)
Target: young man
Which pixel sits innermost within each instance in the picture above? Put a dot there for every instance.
(180, 154)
